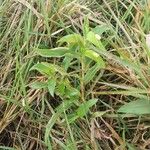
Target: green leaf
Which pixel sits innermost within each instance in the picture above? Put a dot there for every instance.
(100, 29)
(55, 52)
(85, 107)
(59, 69)
(44, 68)
(138, 107)
(72, 93)
(6, 148)
(38, 85)
(72, 39)
(59, 111)
(51, 86)
(65, 105)
(82, 110)
(91, 73)
(86, 26)
(66, 62)
(61, 89)
(72, 117)
(96, 57)
(99, 114)
(48, 69)
(91, 37)
(131, 147)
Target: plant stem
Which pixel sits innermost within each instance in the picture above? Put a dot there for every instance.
(82, 79)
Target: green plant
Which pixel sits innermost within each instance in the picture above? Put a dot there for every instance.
(77, 65)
